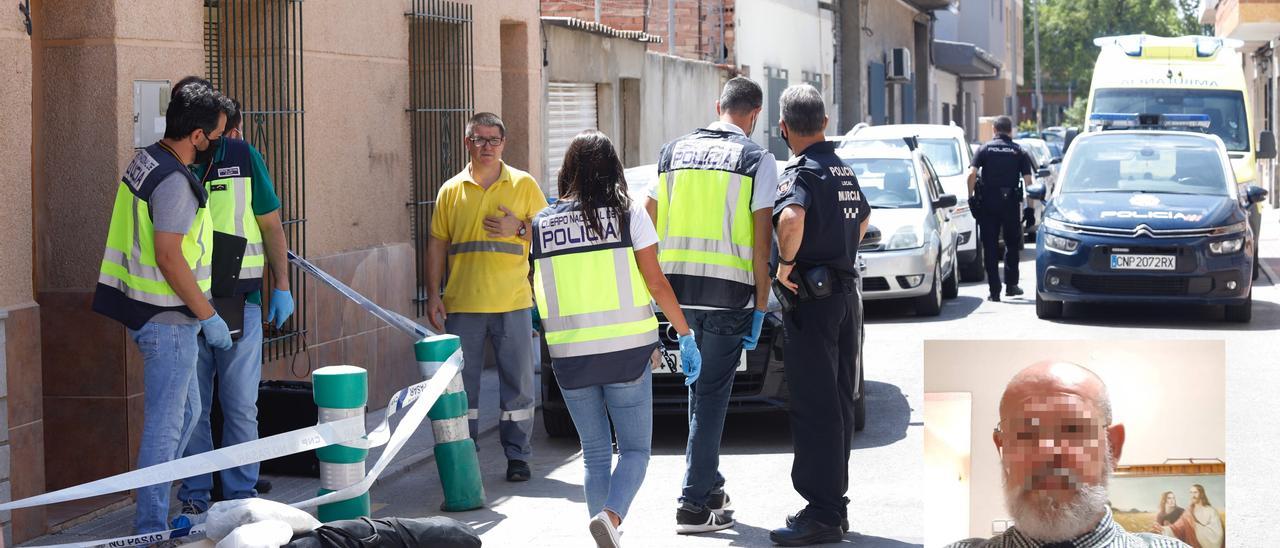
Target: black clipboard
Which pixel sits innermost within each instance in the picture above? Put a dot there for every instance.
(228, 253)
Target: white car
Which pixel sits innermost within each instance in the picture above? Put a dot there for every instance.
(950, 155)
(1046, 175)
(915, 255)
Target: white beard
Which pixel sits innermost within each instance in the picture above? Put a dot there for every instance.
(1040, 517)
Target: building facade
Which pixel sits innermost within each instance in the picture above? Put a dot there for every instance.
(1257, 24)
(358, 110)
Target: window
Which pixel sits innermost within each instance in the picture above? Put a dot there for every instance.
(253, 53)
(441, 100)
(1225, 108)
(1171, 164)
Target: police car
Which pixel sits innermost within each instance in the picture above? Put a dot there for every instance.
(1146, 210)
(759, 384)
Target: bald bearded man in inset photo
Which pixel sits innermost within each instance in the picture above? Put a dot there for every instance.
(1058, 448)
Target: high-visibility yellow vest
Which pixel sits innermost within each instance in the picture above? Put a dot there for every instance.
(131, 288)
(229, 183)
(704, 221)
(594, 305)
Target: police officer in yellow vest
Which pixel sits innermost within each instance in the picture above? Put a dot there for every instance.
(242, 203)
(155, 279)
(712, 205)
(595, 267)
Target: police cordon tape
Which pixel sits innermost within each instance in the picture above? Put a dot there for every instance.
(418, 398)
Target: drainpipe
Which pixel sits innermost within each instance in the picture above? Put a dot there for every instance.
(671, 27)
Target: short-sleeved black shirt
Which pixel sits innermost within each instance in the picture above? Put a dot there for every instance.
(821, 183)
(1003, 163)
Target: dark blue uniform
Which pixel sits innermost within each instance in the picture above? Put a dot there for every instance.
(822, 338)
(1002, 163)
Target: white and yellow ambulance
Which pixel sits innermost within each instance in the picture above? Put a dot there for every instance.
(1143, 74)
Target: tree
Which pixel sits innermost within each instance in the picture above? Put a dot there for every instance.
(1068, 27)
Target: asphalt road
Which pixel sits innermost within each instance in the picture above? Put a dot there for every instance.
(888, 492)
(887, 489)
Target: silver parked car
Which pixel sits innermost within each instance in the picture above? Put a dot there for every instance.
(1046, 174)
(915, 256)
(950, 156)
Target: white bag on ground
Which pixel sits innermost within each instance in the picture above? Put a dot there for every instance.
(271, 533)
(226, 516)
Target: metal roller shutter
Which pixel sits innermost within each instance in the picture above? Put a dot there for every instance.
(571, 108)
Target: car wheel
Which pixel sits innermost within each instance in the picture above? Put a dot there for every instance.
(951, 285)
(558, 423)
(974, 271)
(930, 304)
(1047, 309)
(1240, 313)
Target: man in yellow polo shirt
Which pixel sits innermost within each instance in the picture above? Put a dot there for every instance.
(481, 224)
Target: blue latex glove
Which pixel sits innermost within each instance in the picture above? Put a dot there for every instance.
(280, 308)
(690, 358)
(750, 341)
(216, 332)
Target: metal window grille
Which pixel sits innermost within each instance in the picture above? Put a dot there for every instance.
(253, 53)
(441, 99)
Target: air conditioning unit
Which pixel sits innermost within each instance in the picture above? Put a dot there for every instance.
(899, 67)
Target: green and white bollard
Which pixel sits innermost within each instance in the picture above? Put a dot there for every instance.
(455, 450)
(341, 391)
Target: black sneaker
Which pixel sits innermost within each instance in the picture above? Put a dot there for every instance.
(518, 470)
(844, 521)
(1013, 291)
(718, 502)
(994, 297)
(262, 487)
(805, 531)
(690, 520)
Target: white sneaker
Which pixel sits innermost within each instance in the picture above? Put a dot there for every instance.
(603, 531)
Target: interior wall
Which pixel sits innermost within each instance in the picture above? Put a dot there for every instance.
(1170, 395)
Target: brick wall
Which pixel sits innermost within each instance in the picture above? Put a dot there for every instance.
(697, 22)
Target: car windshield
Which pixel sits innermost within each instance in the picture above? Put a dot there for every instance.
(1038, 151)
(886, 183)
(944, 154)
(1225, 108)
(1175, 164)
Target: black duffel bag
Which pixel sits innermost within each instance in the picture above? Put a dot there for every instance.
(435, 532)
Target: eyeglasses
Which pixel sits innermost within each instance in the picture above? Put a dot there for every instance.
(1068, 432)
(491, 141)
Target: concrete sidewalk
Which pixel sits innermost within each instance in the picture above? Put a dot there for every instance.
(415, 456)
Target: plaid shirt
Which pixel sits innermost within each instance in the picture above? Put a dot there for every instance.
(1107, 534)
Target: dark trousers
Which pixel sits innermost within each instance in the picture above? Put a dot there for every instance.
(1005, 218)
(821, 347)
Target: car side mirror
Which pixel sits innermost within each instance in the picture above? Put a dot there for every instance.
(945, 201)
(1254, 194)
(872, 237)
(1056, 160)
(1043, 172)
(1266, 145)
(1036, 191)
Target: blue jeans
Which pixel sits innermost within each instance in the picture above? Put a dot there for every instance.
(238, 371)
(719, 334)
(630, 405)
(171, 400)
